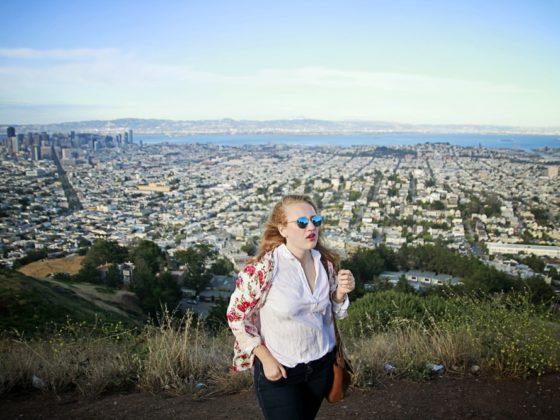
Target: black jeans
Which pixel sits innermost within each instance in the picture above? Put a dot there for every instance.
(299, 396)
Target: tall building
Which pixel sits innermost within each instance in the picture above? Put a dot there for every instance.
(36, 152)
(15, 144)
(11, 132)
(130, 136)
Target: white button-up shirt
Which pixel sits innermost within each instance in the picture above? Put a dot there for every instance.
(296, 323)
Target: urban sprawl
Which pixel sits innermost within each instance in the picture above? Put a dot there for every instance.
(61, 189)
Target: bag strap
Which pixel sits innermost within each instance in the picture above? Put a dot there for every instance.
(339, 351)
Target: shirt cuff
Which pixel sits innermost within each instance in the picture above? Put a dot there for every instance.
(251, 344)
(341, 308)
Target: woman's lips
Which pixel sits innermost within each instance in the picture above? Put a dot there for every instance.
(311, 237)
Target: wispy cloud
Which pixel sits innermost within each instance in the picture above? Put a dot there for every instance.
(111, 76)
(113, 67)
(58, 54)
(399, 82)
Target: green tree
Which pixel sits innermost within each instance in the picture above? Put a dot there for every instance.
(169, 292)
(150, 253)
(403, 286)
(114, 278)
(155, 292)
(198, 259)
(381, 284)
(250, 247)
(366, 264)
(88, 273)
(102, 252)
(34, 255)
(354, 195)
(222, 267)
(216, 319)
(541, 215)
(541, 292)
(438, 205)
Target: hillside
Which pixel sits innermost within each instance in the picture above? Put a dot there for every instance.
(29, 305)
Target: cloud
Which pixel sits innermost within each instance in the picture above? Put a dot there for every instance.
(109, 66)
(110, 76)
(398, 82)
(58, 54)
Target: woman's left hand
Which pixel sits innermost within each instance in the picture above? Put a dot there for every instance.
(345, 284)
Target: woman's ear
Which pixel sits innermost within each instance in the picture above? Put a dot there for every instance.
(282, 230)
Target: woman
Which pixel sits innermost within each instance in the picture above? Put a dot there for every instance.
(282, 308)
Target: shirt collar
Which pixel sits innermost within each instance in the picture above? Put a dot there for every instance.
(286, 253)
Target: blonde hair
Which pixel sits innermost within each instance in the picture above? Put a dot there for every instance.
(271, 237)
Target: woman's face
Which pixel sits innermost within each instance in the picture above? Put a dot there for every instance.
(299, 239)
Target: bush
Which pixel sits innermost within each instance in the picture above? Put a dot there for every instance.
(505, 334)
(380, 312)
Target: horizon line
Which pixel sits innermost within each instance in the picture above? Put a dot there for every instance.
(294, 119)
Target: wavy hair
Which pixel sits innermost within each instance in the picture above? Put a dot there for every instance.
(271, 237)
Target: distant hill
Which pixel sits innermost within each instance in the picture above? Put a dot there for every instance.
(302, 126)
(29, 305)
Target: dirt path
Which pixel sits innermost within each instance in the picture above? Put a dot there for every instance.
(444, 398)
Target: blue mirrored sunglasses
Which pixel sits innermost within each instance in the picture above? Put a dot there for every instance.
(303, 221)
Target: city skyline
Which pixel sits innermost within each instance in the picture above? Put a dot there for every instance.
(419, 62)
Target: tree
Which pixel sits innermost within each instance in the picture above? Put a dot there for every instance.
(222, 267)
(404, 286)
(102, 252)
(216, 319)
(541, 215)
(150, 253)
(381, 284)
(354, 195)
(143, 287)
(198, 259)
(541, 293)
(34, 255)
(88, 273)
(250, 247)
(169, 291)
(536, 263)
(114, 277)
(438, 205)
(366, 264)
(155, 292)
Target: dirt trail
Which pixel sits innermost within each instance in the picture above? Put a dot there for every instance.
(443, 398)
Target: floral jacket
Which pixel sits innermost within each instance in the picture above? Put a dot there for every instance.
(252, 287)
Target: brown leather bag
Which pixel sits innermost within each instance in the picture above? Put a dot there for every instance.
(343, 371)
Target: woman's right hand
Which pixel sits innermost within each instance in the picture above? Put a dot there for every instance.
(273, 370)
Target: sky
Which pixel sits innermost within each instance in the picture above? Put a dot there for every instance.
(422, 62)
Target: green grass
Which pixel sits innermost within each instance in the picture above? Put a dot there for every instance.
(105, 290)
(31, 306)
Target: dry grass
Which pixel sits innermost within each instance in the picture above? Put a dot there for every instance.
(180, 356)
(409, 350)
(41, 269)
(90, 365)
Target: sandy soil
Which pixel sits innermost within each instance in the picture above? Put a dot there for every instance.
(442, 398)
